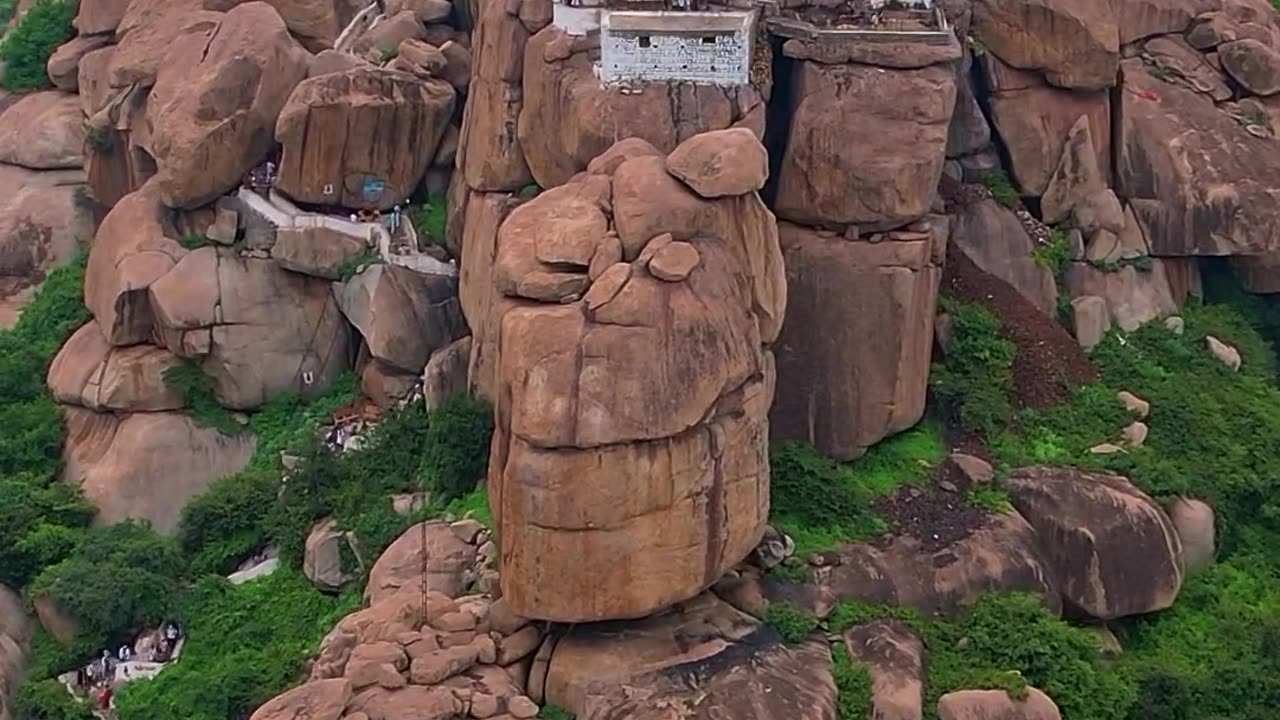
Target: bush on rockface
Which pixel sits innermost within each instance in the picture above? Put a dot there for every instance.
(245, 644)
(26, 49)
(119, 579)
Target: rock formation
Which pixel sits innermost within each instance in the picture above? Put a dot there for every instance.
(630, 411)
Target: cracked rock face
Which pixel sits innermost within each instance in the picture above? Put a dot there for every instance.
(631, 409)
(256, 329)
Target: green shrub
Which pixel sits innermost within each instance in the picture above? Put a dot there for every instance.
(227, 524)
(198, 393)
(457, 446)
(1002, 189)
(121, 578)
(853, 685)
(26, 49)
(530, 191)
(33, 432)
(49, 700)
(245, 644)
(820, 502)
(43, 522)
(990, 498)
(429, 219)
(1055, 254)
(1216, 653)
(7, 9)
(554, 712)
(193, 241)
(793, 625)
(975, 379)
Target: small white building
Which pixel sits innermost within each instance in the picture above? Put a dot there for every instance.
(673, 46)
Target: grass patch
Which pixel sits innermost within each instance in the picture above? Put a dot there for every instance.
(1055, 254)
(974, 382)
(429, 219)
(793, 625)
(1001, 187)
(853, 685)
(193, 241)
(26, 49)
(245, 644)
(820, 502)
(989, 497)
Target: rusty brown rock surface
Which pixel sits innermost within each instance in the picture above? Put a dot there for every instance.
(215, 101)
(630, 410)
(1076, 43)
(835, 170)
(853, 356)
(400, 120)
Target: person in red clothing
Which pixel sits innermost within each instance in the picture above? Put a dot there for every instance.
(105, 698)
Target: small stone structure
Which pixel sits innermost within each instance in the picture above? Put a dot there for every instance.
(700, 47)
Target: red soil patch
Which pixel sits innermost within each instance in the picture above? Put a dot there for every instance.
(1048, 362)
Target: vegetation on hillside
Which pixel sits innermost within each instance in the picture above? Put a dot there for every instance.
(26, 49)
(1216, 653)
(820, 502)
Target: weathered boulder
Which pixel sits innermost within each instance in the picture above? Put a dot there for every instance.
(257, 329)
(89, 372)
(403, 316)
(894, 657)
(331, 557)
(1076, 43)
(1139, 19)
(43, 131)
(835, 172)
(996, 240)
(402, 119)
(495, 162)
(446, 373)
(668, 391)
(1034, 120)
(617, 671)
(148, 31)
(13, 616)
(316, 251)
(1194, 522)
(387, 35)
(46, 219)
(146, 466)
(130, 252)
(215, 102)
(1133, 296)
(100, 16)
(1253, 64)
(1112, 550)
(1076, 177)
(427, 11)
(1198, 182)
(1178, 57)
(853, 356)
(719, 163)
(435, 547)
(969, 131)
(1002, 555)
(1258, 273)
(64, 64)
(316, 700)
(1090, 320)
(318, 24)
(996, 705)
